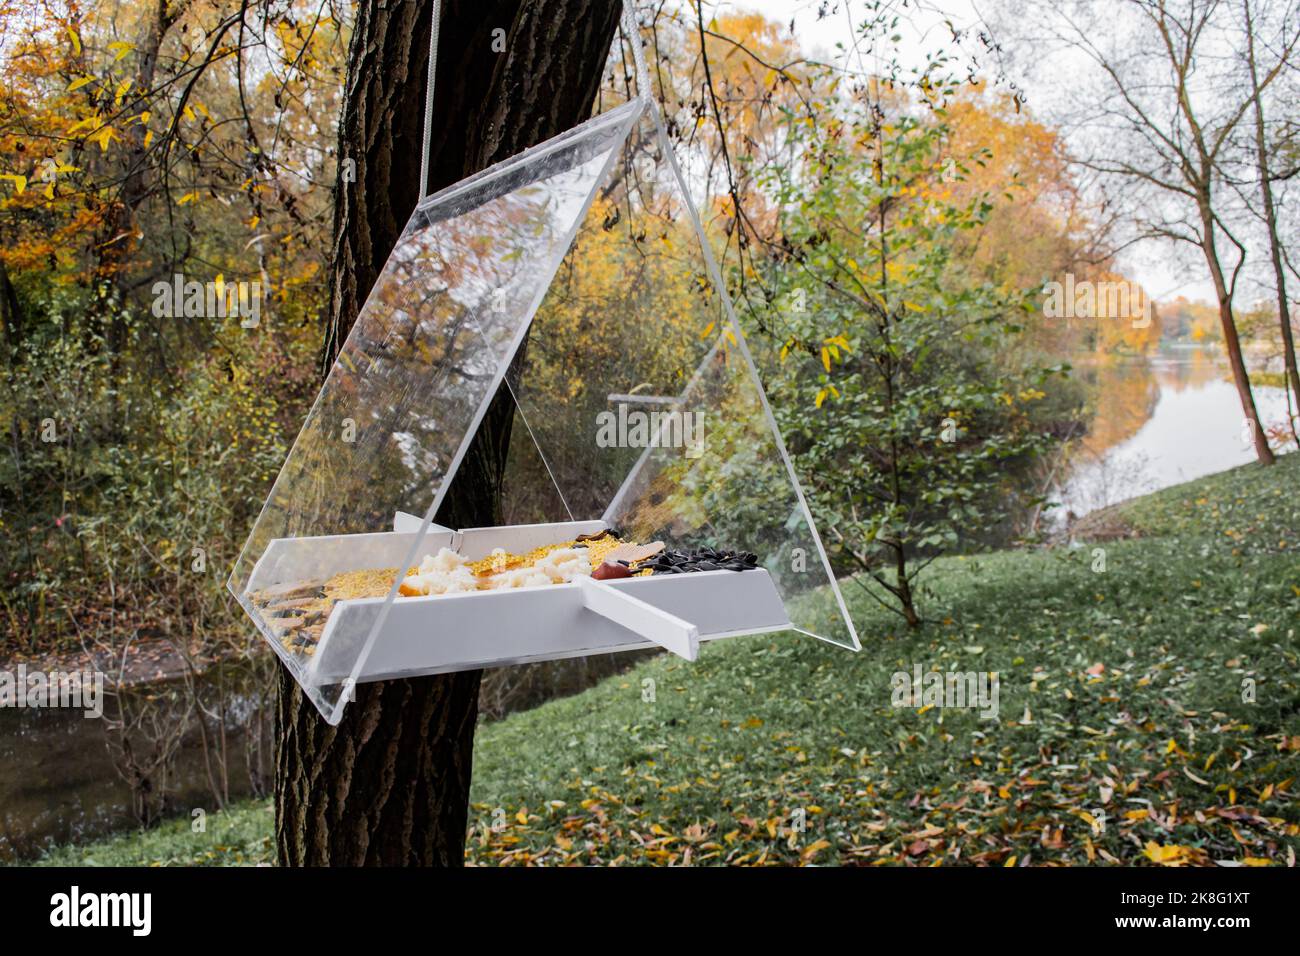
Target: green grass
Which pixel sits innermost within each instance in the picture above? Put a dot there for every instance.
(239, 836)
(1124, 733)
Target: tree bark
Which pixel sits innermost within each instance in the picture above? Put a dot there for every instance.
(1270, 221)
(11, 315)
(390, 784)
(1231, 341)
(117, 242)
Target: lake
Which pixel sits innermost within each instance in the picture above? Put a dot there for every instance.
(1159, 421)
(68, 778)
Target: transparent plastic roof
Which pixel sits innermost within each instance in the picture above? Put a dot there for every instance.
(641, 396)
(637, 406)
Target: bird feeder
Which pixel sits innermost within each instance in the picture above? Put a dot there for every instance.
(576, 280)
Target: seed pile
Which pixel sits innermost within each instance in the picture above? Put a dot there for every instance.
(501, 560)
(597, 545)
(674, 561)
(360, 584)
(296, 612)
(599, 548)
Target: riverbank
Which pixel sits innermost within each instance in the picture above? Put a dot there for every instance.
(144, 662)
(1148, 711)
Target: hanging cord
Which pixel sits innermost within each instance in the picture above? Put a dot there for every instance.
(633, 36)
(630, 31)
(428, 97)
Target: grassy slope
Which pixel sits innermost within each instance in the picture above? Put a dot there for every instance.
(1121, 692)
(235, 837)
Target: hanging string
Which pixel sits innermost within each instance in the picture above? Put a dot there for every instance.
(633, 36)
(629, 29)
(428, 97)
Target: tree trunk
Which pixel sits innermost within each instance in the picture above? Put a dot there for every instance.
(1270, 220)
(390, 784)
(11, 314)
(117, 242)
(1230, 338)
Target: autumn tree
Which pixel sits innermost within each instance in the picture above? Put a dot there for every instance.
(888, 383)
(139, 140)
(1282, 49)
(1157, 132)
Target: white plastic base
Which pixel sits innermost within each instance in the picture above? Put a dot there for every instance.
(431, 635)
(451, 632)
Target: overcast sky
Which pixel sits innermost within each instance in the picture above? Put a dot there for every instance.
(924, 30)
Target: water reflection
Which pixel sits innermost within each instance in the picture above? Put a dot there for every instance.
(67, 779)
(1159, 422)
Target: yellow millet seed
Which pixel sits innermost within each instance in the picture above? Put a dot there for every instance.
(495, 564)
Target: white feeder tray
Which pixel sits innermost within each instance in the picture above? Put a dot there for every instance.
(441, 633)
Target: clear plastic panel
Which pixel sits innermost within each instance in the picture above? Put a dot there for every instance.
(641, 395)
(404, 398)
